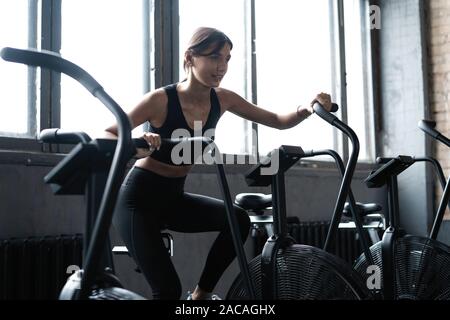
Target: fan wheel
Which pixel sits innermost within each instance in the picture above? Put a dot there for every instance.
(422, 268)
(305, 273)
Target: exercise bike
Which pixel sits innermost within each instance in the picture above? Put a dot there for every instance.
(412, 267)
(99, 165)
(286, 270)
(90, 168)
(96, 280)
(95, 169)
(259, 209)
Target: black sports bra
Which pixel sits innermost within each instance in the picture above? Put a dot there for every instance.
(175, 120)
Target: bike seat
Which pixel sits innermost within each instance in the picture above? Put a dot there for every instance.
(363, 209)
(253, 201)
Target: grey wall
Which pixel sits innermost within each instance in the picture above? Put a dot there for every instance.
(28, 208)
(404, 102)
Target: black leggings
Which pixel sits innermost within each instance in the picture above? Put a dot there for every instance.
(149, 203)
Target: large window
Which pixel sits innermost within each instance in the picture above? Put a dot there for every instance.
(359, 93)
(217, 14)
(110, 47)
(298, 52)
(18, 22)
(285, 52)
(293, 48)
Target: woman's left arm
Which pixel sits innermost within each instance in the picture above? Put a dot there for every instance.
(241, 107)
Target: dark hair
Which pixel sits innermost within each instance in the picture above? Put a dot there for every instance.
(204, 38)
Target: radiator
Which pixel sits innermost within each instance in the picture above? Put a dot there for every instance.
(37, 267)
(346, 246)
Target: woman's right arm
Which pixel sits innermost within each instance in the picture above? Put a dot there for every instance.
(150, 108)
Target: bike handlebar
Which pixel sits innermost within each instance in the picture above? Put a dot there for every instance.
(428, 126)
(52, 61)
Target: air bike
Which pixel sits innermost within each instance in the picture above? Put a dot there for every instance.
(286, 270)
(95, 168)
(412, 267)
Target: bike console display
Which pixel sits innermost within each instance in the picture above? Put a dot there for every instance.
(261, 174)
(392, 167)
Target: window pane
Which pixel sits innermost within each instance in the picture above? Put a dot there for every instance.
(359, 109)
(14, 112)
(293, 47)
(232, 132)
(105, 37)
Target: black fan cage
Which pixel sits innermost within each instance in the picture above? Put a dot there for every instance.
(421, 268)
(305, 273)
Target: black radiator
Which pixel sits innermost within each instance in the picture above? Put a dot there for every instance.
(37, 267)
(346, 246)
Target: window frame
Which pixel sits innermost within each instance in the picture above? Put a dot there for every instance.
(337, 27)
(161, 18)
(48, 97)
(24, 142)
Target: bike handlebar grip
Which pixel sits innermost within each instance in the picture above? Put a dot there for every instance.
(204, 140)
(428, 126)
(324, 114)
(48, 135)
(53, 61)
(383, 160)
(334, 107)
(308, 154)
(56, 135)
(142, 143)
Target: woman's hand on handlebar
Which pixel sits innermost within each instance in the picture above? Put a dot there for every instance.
(324, 99)
(154, 143)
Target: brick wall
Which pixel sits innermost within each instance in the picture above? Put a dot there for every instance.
(439, 77)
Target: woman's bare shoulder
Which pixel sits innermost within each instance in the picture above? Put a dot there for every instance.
(156, 98)
(223, 91)
(152, 107)
(226, 97)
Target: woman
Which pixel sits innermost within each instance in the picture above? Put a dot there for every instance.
(152, 195)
